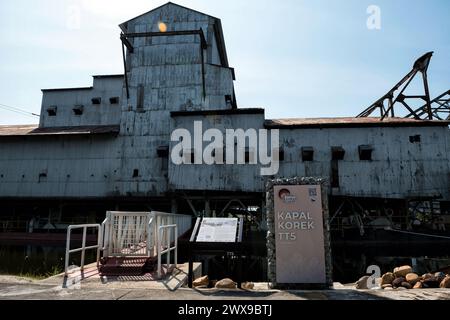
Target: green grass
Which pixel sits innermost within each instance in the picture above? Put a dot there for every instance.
(36, 276)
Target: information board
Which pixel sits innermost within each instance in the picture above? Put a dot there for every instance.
(218, 230)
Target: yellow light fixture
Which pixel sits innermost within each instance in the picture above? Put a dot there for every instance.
(162, 27)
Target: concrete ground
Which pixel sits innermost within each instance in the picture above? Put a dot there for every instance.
(94, 287)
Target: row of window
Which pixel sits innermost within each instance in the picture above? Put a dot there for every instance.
(307, 154)
(79, 109)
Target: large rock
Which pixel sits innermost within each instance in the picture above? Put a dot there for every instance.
(398, 282)
(445, 283)
(432, 282)
(418, 285)
(427, 276)
(248, 286)
(412, 278)
(361, 284)
(226, 284)
(440, 276)
(201, 282)
(406, 285)
(387, 278)
(402, 271)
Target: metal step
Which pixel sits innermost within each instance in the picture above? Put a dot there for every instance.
(126, 266)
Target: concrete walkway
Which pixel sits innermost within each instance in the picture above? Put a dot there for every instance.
(94, 287)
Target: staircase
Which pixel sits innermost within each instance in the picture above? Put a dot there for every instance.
(133, 243)
(116, 267)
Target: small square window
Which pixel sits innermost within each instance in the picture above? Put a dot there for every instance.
(307, 154)
(337, 153)
(52, 111)
(135, 173)
(114, 100)
(163, 152)
(365, 153)
(96, 100)
(78, 110)
(415, 139)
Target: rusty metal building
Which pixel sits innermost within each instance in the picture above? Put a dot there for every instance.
(107, 146)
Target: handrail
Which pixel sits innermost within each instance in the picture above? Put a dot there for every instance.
(83, 247)
(150, 235)
(168, 249)
(104, 236)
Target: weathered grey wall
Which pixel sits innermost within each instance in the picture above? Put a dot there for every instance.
(398, 168)
(75, 167)
(169, 71)
(93, 115)
(217, 177)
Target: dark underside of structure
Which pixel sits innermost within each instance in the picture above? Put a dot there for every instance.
(364, 231)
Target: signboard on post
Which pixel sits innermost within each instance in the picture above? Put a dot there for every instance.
(299, 251)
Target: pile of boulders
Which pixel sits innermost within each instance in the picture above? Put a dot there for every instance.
(205, 282)
(403, 278)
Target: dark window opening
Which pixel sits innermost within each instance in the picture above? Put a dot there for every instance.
(307, 154)
(42, 176)
(163, 152)
(415, 139)
(135, 173)
(52, 111)
(1, 176)
(247, 157)
(78, 110)
(365, 153)
(337, 153)
(96, 100)
(114, 100)
(229, 101)
(281, 154)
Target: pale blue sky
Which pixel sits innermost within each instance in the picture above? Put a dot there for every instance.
(296, 58)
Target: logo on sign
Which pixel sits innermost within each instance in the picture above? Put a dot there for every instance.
(286, 196)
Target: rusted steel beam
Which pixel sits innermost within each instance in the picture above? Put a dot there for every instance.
(443, 106)
(125, 70)
(393, 99)
(126, 42)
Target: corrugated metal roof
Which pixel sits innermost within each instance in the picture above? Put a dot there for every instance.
(68, 89)
(350, 122)
(34, 130)
(221, 112)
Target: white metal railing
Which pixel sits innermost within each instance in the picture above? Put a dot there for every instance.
(83, 248)
(164, 243)
(104, 231)
(126, 234)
